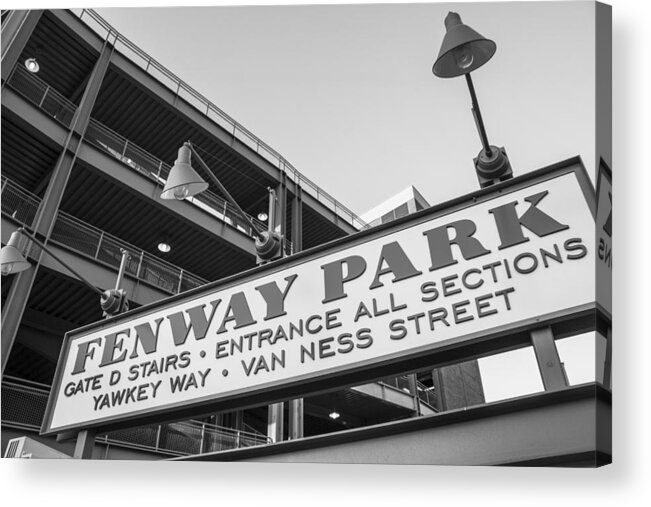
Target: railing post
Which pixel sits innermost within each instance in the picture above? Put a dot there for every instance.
(44, 95)
(178, 289)
(142, 253)
(99, 245)
(126, 143)
(158, 432)
(203, 434)
(160, 168)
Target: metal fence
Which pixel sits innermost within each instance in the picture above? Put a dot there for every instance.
(85, 239)
(24, 403)
(41, 94)
(206, 107)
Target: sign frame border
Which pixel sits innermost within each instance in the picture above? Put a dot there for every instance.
(464, 347)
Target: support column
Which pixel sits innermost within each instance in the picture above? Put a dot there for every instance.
(280, 226)
(85, 444)
(45, 217)
(275, 422)
(608, 361)
(239, 420)
(296, 419)
(296, 406)
(549, 362)
(297, 220)
(16, 31)
(413, 389)
(438, 390)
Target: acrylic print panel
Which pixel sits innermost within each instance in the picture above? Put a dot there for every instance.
(305, 118)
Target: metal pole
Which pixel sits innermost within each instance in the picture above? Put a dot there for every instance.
(123, 266)
(223, 190)
(549, 362)
(86, 438)
(478, 119)
(31, 236)
(271, 219)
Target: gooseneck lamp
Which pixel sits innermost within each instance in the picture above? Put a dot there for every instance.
(183, 181)
(12, 261)
(463, 50)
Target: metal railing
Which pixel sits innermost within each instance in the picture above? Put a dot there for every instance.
(96, 244)
(210, 110)
(425, 393)
(42, 95)
(156, 170)
(24, 403)
(139, 160)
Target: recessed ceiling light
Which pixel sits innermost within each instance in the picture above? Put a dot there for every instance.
(165, 244)
(262, 216)
(164, 247)
(334, 415)
(32, 65)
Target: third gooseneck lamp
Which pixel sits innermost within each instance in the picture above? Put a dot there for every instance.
(463, 50)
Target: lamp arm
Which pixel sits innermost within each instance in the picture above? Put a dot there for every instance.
(223, 190)
(477, 115)
(31, 236)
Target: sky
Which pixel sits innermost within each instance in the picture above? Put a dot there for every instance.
(347, 95)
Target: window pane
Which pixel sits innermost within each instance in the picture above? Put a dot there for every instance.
(577, 354)
(510, 374)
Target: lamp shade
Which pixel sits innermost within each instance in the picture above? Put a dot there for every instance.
(11, 260)
(463, 50)
(183, 181)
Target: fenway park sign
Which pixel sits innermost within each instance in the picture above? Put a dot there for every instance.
(491, 260)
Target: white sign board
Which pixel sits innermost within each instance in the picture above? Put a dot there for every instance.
(491, 261)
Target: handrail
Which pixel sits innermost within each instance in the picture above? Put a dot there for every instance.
(137, 159)
(99, 245)
(156, 170)
(200, 102)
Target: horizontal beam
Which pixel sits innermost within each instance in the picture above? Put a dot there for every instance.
(557, 427)
(387, 394)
